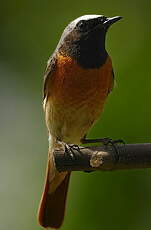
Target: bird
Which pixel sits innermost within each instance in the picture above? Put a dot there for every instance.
(78, 79)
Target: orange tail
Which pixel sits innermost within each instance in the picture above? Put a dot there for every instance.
(52, 206)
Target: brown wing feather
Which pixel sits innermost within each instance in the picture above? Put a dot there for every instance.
(112, 82)
(48, 74)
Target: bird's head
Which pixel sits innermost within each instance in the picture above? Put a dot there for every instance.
(85, 36)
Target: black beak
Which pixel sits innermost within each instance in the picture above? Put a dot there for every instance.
(109, 21)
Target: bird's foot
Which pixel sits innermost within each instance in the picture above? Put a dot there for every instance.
(70, 150)
(104, 141)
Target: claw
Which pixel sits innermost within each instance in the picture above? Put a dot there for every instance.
(106, 141)
(69, 150)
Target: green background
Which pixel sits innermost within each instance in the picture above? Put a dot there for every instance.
(29, 32)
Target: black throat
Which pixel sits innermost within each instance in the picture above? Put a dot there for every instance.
(89, 51)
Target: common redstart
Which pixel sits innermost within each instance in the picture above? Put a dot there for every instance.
(78, 78)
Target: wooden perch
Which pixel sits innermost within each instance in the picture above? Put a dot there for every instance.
(116, 157)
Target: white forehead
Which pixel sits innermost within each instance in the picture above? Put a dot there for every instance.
(86, 17)
(72, 24)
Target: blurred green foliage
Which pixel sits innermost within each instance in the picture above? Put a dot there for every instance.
(30, 31)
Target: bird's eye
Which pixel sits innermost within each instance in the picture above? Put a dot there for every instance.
(81, 25)
(102, 19)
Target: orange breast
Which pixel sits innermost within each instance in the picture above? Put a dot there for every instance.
(76, 98)
(73, 85)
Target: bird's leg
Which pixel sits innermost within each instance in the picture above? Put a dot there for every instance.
(105, 141)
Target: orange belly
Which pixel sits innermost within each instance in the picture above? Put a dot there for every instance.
(76, 98)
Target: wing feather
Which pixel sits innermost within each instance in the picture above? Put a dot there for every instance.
(51, 65)
(112, 82)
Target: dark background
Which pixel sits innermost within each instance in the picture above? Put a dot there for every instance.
(29, 32)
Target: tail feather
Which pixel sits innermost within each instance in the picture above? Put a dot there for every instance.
(52, 205)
